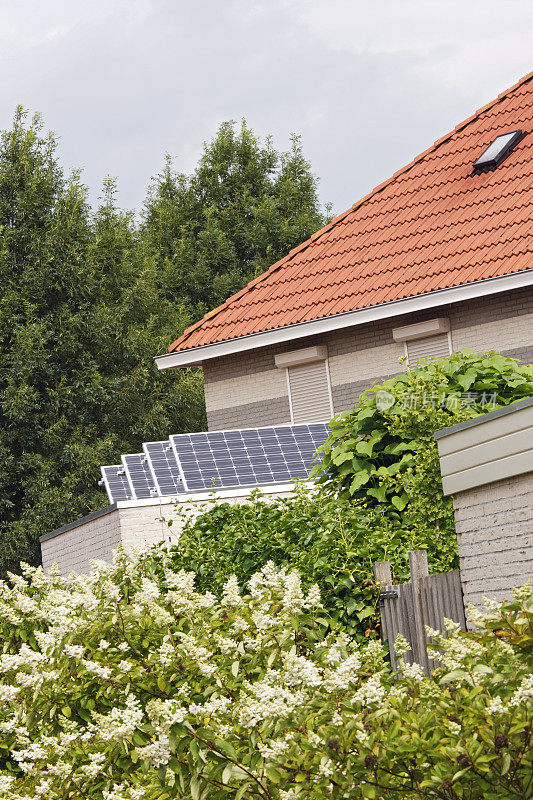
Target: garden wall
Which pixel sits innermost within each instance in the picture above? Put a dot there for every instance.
(487, 466)
(133, 524)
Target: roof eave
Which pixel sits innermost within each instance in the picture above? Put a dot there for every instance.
(194, 356)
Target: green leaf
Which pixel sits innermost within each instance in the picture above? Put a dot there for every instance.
(359, 480)
(400, 502)
(241, 791)
(194, 788)
(273, 773)
(506, 763)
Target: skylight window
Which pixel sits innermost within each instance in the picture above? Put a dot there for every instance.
(497, 150)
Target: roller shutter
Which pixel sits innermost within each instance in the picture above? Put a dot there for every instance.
(430, 347)
(309, 393)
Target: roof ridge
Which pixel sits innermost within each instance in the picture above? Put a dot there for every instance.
(377, 189)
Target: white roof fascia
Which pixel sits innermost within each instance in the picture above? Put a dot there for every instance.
(210, 495)
(439, 297)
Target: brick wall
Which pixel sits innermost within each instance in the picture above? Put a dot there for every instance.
(494, 526)
(247, 389)
(73, 546)
(98, 535)
(141, 525)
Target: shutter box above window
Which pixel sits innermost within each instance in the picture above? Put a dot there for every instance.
(421, 330)
(429, 339)
(308, 384)
(304, 356)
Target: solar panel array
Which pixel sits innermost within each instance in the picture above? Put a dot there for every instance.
(195, 462)
(249, 457)
(165, 468)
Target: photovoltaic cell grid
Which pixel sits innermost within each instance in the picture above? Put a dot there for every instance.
(248, 457)
(164, 468)
(140, 477)
(219, 459)
(116, 483)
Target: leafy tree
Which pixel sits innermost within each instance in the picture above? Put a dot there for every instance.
(332, 542)
(80, 321)
(125, 685)
(88, 298)
(245, 206)
(383, 452)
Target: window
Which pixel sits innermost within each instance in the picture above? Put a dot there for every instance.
(431, 339)
(497, 150)
(308, 384)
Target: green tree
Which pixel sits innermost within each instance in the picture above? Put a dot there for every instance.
(245, 206)
(80, 321)
(88, 298)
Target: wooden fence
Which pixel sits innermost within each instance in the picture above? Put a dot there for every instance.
(407, 608)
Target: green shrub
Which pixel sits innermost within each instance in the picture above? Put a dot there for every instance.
(123, 686)
(383, 452)
(331, 541)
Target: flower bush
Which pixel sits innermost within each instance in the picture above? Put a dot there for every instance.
(125, 685)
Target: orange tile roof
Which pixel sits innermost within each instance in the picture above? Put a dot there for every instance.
(433, 225)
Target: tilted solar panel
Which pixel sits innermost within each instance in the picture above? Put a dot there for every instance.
(140, 476)
(164, 468)
(248, 457)
(116, 483)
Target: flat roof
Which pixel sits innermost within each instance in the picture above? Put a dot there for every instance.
(471, 423)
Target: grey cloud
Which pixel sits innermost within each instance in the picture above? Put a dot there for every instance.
(368, 85)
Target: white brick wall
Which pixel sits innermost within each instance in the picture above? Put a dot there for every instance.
(494, 526)
(73, 549)
(132, 526)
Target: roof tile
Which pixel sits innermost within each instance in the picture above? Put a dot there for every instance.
(432, 225)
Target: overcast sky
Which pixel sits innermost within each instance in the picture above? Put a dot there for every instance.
(368, 83)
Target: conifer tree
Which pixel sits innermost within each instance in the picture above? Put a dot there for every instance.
(244, 207)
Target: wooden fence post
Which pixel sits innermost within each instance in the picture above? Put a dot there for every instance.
(408, 607)
(418, 564)
(382, 572)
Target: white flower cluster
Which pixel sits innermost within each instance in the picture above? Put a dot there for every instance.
(299, 670)
(523, 693)
(267, 699)
(120, 723)
(249, 671)
(274, 750)
(371, 693)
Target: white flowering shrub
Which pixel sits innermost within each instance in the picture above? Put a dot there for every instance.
(123, 686)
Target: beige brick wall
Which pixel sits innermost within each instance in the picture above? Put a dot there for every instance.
(494, 526)
(73, 549)
(248, 390)
(134, 527)
(144, 525)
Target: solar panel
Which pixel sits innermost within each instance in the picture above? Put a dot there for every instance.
(248, 457)
(139, 475)
(164, 468)
(116, 483)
